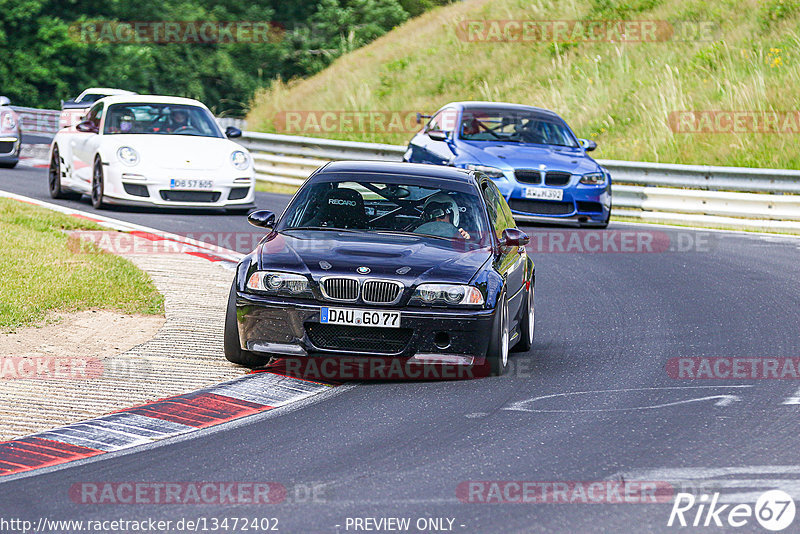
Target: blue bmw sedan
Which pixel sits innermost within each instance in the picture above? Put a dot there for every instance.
(537, 162)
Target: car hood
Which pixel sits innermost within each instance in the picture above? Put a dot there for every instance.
(411, 259)
(521, 156)
(185, 152)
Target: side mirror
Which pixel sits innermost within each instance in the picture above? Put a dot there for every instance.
(514, 237)
(587, 145)
(437, 135)
(232, 132)
(86, 127)
(4, 101)
(262, 219)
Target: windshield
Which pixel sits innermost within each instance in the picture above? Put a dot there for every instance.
(375, 204)
(164, 119)
(516, 126)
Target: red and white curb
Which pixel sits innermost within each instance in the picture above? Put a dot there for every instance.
(189, 246)
(165, 418)
(173, 416)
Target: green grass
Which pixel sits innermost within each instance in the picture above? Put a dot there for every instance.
(618, 94)
(283, 189)
(42, 273)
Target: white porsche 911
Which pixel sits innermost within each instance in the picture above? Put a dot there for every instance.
(154, 150)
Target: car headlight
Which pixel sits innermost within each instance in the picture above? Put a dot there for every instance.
(240, 160)
(277, 283)
(447, 295)
(491, 172)
(128, 156)
(8, 122)
(593, 178)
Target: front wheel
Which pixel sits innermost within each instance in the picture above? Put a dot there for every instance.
(54, 178)
(497, 353)
(232, 345)
(98, 186)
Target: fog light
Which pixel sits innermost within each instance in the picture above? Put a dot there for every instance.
(442, 340)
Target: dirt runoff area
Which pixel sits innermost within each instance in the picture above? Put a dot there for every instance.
(72, 344)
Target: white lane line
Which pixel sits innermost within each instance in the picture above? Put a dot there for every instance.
(793, 400)
(124, 226)
(723, 399)
(727, 481)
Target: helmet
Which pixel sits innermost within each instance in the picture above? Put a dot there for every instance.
(441, 202)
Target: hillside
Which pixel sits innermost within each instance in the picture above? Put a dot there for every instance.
(619, 94)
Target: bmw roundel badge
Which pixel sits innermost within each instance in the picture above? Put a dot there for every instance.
(363, 270)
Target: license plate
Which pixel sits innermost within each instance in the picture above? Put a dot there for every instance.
(349, 316)
(544, 193)
(180, 183)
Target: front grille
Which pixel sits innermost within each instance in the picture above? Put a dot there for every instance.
(541, 207)
(358, 338)
(137, 190)
(6, 147)
(589, 206)
(557, 178)
(190, 196)
(338, 288)
(380, 291)
(238, 193)
(528, 176)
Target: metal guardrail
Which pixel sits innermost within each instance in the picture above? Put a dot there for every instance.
(689, 194)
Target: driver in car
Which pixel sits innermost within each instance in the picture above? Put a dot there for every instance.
(441, 215)
(179, 120)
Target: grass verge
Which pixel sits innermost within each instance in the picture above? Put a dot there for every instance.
(41, 272)
(621, 94)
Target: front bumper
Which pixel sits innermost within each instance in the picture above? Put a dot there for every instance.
(9, 147)
(291, 328)
(580, 204)
(132, 186)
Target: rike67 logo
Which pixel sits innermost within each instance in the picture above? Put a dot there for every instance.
(774, 510)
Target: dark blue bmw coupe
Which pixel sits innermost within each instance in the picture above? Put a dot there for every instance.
(415, 263)
(537, 162)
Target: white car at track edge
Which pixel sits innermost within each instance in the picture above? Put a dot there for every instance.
(152, 150)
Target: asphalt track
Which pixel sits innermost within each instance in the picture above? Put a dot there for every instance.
(606, 408)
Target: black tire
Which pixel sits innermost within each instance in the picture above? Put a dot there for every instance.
(98, 186)
(54, 178)
(497, 353)
(527, 324)
(231, 344)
